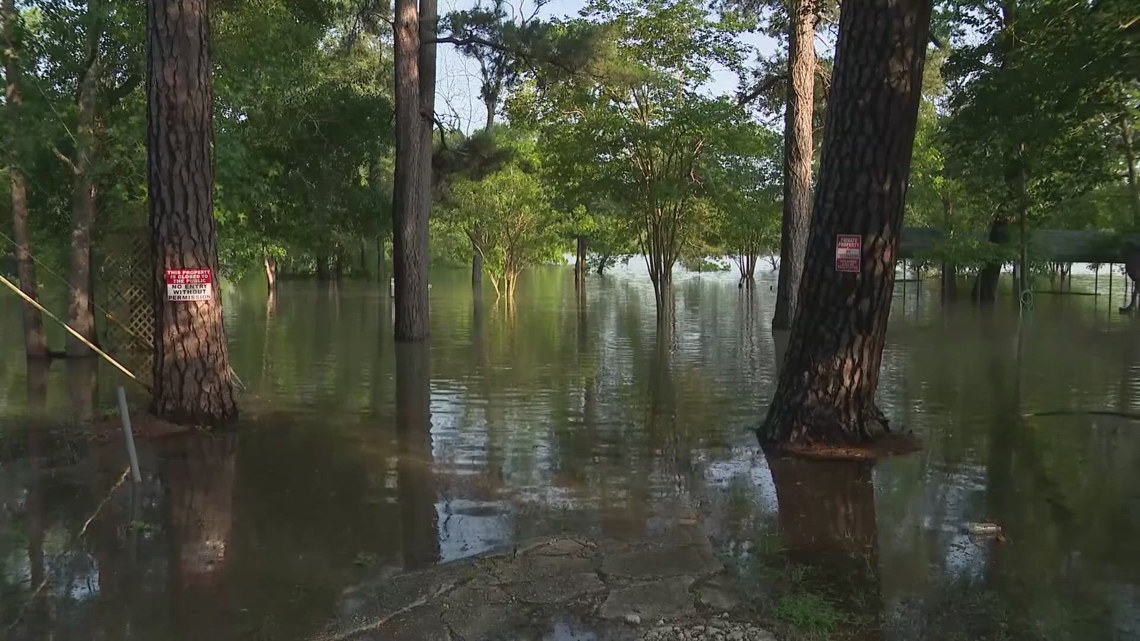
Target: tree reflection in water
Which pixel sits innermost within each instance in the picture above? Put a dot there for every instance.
(198, 475)
(419, 521)
(827, 526)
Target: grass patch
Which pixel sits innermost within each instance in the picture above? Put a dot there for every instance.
(808, 612)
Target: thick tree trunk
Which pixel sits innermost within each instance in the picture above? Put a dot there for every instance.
(409, 213)
(323, 273)
(826, 390)
(580, 263)
(80, 306)
(986, 285)
(193, 382)
(35, 338)
(797, 160)
(419, 523)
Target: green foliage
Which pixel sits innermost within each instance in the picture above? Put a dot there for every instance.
(1033, 90)
(809, 612)
(640, 139)
(508, 218)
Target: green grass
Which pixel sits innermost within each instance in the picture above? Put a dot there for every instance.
(808, 612)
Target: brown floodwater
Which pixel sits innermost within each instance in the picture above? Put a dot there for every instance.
(358, 458)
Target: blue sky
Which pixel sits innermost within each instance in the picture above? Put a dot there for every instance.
(457, 80)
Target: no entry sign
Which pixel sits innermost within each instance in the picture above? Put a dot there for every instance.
(188, 284)
(849, 253)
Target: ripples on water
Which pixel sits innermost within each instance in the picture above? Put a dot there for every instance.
(558, 419)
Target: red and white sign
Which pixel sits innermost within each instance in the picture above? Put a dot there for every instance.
(189, 284)
(849, 253)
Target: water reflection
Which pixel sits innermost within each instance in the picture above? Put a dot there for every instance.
(573, 415)
(827, 526)
(415, 478)
(198, 475)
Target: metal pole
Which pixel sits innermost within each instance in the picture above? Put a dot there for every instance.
(129, 435)
(33, 302)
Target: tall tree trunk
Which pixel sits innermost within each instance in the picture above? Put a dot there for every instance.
(476, 263)
(797, 160)
(80, 307)
(949, 269)
(409, 220)
(580, 263)
(193, 382)
(1130, 157)
(35, 338)
(826, 390)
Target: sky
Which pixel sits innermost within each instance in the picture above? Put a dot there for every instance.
(457, 77)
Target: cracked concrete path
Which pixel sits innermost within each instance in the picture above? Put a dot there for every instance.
(558, 589)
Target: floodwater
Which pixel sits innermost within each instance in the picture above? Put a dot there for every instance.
(359, 458)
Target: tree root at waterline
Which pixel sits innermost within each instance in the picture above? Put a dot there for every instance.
(815, 431)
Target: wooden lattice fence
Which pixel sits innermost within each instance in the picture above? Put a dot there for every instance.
(124, 293)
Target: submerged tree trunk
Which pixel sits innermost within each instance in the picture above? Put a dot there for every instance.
(193, 383)
(35, 338)
(949, 269)
(323, 273)
(826, 390)
(476, 265)
(270, 274)
(797, 160)
(1125, 125)
(986, 285)
(409, 213)
(381, 260)
(580, 263)
(80, 306)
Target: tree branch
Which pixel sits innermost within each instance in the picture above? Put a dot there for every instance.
(67, 161)
(760, 89)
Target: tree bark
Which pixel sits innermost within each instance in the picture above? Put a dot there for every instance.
(80, 304)
(35, 338)
(476, 264)
(826, 390)
(381, 260)
(1130, 158)
(986, 285)
(797, 160)
(409, 212)
(270, 275)
(580, 263)
(193, 383)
